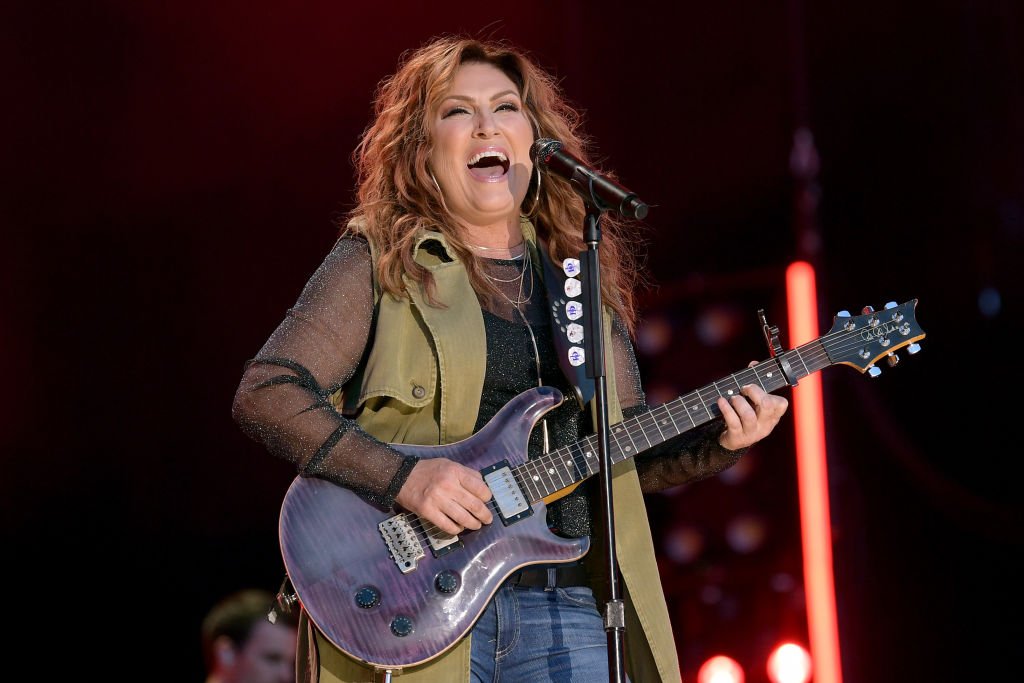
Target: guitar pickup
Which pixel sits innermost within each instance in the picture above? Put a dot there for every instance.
(512, 504)
(440, 542)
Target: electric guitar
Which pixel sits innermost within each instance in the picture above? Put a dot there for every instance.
(393, 591)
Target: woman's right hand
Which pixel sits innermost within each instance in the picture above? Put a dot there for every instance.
(447, 494)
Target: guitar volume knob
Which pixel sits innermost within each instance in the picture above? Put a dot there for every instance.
(447, 581)
(367, 597)
(401, 625)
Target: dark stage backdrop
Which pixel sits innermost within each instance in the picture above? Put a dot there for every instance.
(172, 174)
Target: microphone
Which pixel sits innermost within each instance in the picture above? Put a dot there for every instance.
(588, 183)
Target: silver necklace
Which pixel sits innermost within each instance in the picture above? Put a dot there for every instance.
(520, 300)
(506, 250)
(511, 279)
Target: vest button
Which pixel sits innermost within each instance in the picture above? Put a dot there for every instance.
(418, 391)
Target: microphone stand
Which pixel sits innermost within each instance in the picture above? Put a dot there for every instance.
(615, 612)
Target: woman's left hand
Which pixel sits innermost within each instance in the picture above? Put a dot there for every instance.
(750, 416)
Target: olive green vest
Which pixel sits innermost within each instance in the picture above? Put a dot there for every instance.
(421, 384)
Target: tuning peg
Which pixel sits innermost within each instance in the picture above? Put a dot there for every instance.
(845, 314)
(897, 315)
(913, 348)
(874, 371)
(867, 309)
(892, 359)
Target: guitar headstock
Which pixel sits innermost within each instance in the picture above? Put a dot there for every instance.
(861, 340)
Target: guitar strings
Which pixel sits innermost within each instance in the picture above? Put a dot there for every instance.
(819, 351)
(813, 352)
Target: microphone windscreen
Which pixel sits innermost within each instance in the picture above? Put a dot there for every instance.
(542, 147)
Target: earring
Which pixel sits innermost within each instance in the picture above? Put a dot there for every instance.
(536, 195)
(439, 192)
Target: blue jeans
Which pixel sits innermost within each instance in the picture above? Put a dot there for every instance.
(536, 634)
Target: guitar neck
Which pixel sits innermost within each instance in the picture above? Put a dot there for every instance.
(542, 477)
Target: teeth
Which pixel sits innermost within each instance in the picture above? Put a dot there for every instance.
(489, 153)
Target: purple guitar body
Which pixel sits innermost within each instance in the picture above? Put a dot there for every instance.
(333, 549)
(392, 591)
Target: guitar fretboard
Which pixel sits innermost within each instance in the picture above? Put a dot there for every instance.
(568, 465)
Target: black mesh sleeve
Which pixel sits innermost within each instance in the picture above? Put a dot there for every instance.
(282, 400)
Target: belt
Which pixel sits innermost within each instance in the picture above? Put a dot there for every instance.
(550, 577)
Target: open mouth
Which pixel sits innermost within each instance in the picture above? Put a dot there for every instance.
(488, 165)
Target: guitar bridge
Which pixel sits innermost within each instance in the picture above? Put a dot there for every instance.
(403, 545)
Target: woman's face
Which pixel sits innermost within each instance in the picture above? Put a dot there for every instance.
(482, 138)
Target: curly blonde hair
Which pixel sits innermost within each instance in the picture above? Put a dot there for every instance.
(397, 197)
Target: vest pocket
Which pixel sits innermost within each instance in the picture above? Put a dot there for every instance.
(392, 419)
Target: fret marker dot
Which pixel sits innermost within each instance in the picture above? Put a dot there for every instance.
(729, 392)
(769, 374)
(551, 471)
(568, 463)
(628, 448)
(589, 454)
(536, 478)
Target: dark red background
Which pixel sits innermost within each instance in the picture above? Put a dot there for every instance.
(171, 175)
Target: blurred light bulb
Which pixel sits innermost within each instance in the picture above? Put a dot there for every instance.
(789, 663)
(746, 533)
(720, 669)
(683, 544)
(654, 336)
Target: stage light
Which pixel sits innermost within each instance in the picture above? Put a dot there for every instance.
(683, 544)
(746, 533)
(990, 303)
(711, 594)
(720, 669)
(739, 472)
(654, 335)
(789, 663)
(783, 582)
(812, 480)
(717, 324)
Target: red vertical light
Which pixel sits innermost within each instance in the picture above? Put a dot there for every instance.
(812, 476)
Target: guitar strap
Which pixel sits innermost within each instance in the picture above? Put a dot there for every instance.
(563, 315)
(284, 601)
